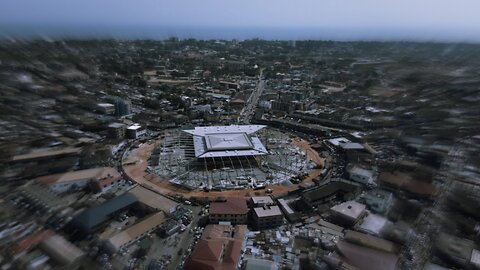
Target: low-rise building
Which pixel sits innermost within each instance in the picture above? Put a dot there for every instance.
(62, 251)
(260, 201)
(259, 264)
(378, 200)
(94, 218)
(135, 232)
(322, 194)
(63, 182)
(220, 247)
(117, 130)
(361, 175)
(135, 131)
(106, 108)
(366, 258)
(348, 212)
(268, 216)
(289, 213)
(233, 210)
(153, 200)
(458, 250)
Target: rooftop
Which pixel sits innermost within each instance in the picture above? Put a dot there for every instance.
(153, 199)
(351, 210)
(94, 216)
(134, 127)
(219, 248)
(223, 141)
(61, 250)
(262, 200)
(202, 131)
(92, 174)
(46, 153)
(116, 125)
(227, 141)
(137, 230)
(367, 258)
(236, 206)
(267, 211)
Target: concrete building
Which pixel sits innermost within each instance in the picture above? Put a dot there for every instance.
(63, 182)
(106, 108)
(378, 200)
(135, 131)
(268, 216)
(135, 232)
(290, 215)
(259, 264)
(329, 191)
(348, 212)
(233, 210)
(153, 200)
(366, 258)
(116, 130)
(62, 251)
(122, 106)
(362, 176)
(92, 219)
(459, 251)
(220, 247)
(260, 201)
(370, 241)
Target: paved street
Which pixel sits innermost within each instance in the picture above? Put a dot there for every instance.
(251, 104)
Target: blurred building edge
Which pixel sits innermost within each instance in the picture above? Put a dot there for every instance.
(62, 251)
(260, 264)
(459, 251)
(136, 232)
(366, 258)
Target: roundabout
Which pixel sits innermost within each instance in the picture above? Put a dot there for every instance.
(233, 161)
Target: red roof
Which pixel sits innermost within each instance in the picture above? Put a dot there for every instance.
(367, 258)
(406, 182)
(236, 206)
(30, 241)
(217, 250)
(208, 250)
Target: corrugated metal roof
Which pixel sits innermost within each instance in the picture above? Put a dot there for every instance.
(225, 141)
(92, 217)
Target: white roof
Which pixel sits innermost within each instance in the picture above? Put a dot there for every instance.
(134, 127)
(475, 260)
(105, 105)
(350, 209)
(268, 211)
(352, 146)
(338, 141)
(225, 141)
(285, 206)
(202, 131)
(262, 199)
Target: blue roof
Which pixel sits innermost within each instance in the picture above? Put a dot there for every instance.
(94, 216)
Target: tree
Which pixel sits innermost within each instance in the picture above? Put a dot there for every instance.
(151, 103)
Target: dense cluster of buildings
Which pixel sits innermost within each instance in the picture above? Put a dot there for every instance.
(386, 182)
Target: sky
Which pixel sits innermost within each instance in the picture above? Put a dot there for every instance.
(370, 19)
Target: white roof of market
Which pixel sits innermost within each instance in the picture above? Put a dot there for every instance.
(225, 141)
(202, 131)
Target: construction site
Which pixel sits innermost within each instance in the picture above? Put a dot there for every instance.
(221, 158)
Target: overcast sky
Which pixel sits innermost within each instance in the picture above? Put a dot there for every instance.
(460, 18)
